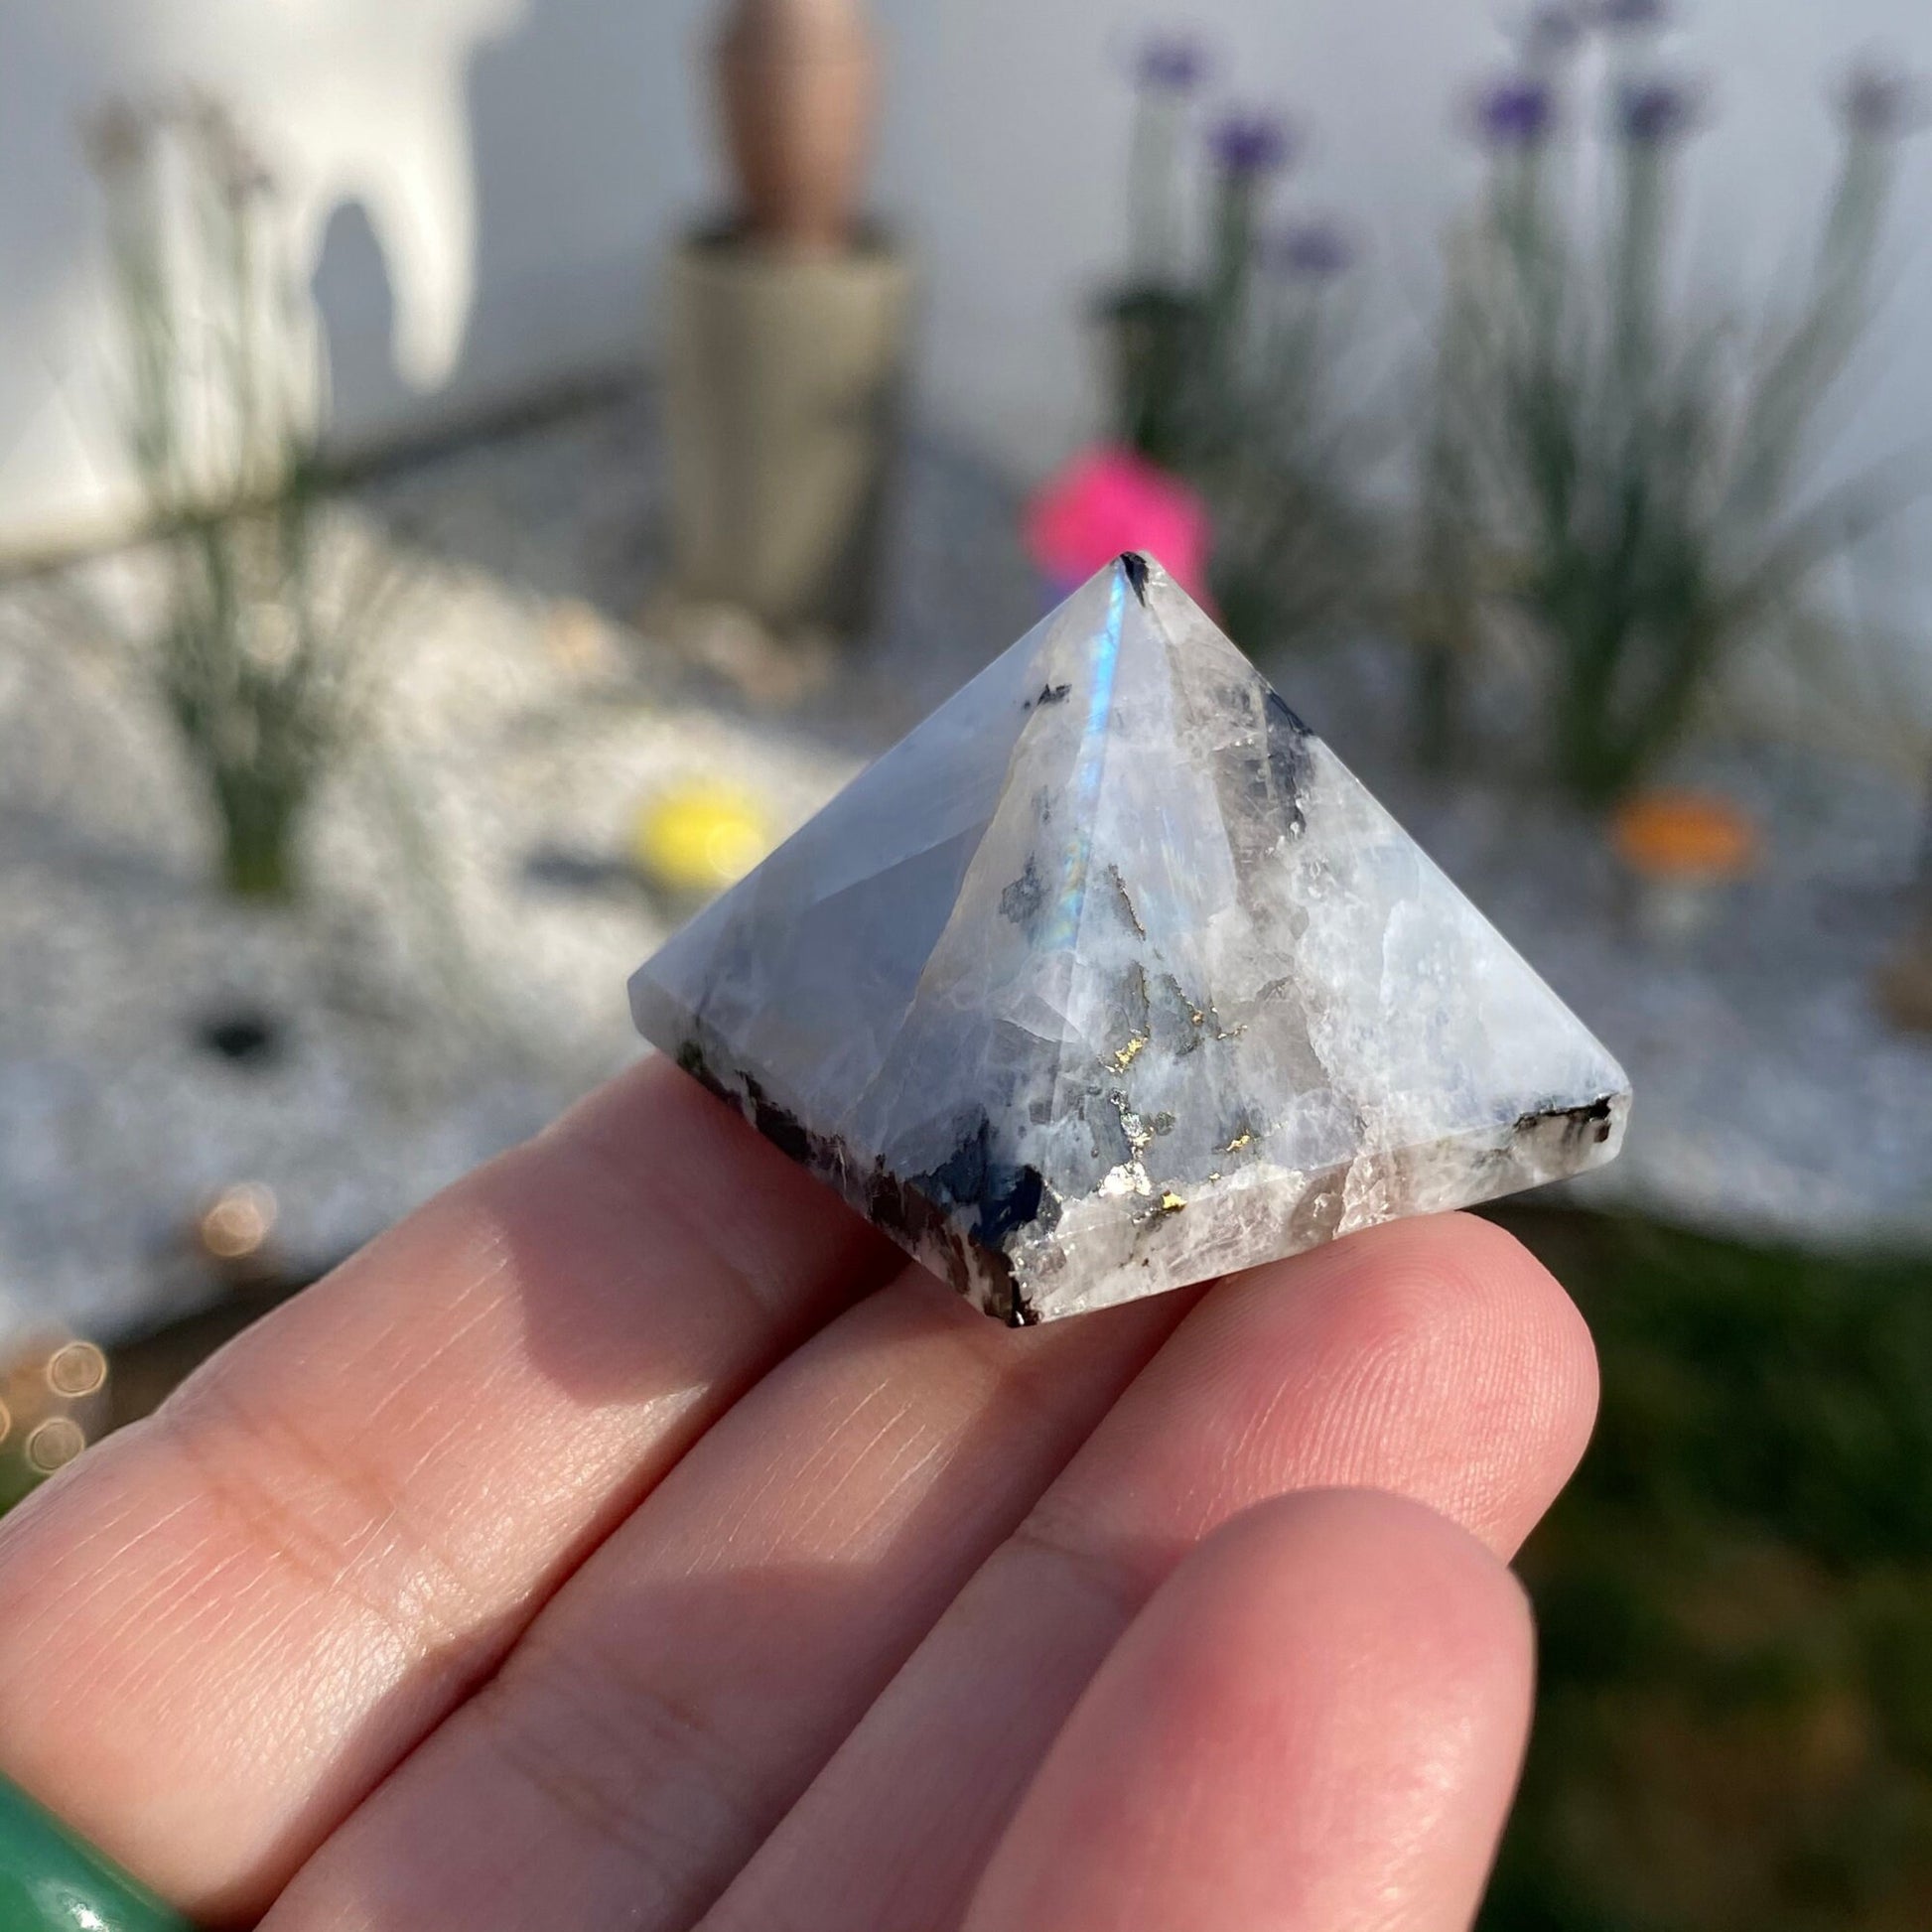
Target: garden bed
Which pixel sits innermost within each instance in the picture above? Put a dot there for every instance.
(458, 975)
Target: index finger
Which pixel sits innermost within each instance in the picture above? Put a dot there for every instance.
(223, 1628)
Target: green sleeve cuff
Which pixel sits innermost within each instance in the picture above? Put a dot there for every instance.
(52, 1881)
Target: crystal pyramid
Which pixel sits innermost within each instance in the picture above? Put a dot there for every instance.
(1110, 978)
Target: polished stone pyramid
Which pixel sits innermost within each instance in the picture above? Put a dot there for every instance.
(1112, 978)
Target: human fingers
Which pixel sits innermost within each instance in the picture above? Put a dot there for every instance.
(1433, 1359)
(1315, 1725)
(221, 1629)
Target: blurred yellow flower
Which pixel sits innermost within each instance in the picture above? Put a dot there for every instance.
(700, 837)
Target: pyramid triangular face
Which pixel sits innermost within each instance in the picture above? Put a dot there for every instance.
(1112, 978)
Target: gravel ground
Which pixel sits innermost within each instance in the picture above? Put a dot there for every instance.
(432, 1010)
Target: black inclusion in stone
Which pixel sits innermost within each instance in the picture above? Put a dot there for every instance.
(1019, 1201)
(1023, 900)
(960, 1179)
(241, 1035)
(1577, 1127)
(1135, 566)
(780, 1125)
(1008, 1198)
(1280, 714)
(1288, 761)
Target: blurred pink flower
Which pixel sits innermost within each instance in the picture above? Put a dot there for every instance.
(1109, 499)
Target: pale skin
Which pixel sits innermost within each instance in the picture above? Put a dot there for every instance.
(633, 1539)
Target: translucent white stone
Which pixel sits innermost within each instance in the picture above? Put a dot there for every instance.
(1112, 978)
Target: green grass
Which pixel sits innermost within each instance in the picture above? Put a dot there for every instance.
(15, 1481)
(1734, 1727)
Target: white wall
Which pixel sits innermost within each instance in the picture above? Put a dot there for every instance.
(1006, 150)
(480, 187)
(484, 186)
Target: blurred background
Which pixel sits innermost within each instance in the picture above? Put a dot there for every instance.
(475, 476)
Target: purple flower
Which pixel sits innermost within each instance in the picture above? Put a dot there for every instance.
(1252, 143)
(1170, 64)
(1517, 113)
(1632, 16)
(1653, 113)
(1313, 250)
(1882, 103)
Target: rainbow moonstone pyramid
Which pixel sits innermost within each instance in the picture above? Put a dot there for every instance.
(1110, 978)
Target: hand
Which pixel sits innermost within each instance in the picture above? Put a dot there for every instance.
(632, 1538)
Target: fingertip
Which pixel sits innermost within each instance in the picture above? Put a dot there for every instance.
(1437, 1357)
(1440, 1603)
(1488, 1301)
(1318, 1722)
